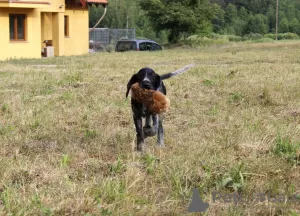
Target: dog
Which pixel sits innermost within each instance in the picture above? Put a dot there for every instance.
(148, 79)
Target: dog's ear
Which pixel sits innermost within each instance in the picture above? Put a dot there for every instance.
(157, 81)
(133, 80)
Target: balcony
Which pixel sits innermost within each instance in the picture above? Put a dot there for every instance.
(77, 4)
(73, 4)
(24, 3)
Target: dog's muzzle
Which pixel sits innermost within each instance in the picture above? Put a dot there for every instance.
(146, 84)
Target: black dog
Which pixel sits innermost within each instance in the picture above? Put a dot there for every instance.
(148, 79)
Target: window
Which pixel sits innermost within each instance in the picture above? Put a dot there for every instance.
(126, 45)
(145, 46)
(17, 27)
(156, 47)
(67, 26)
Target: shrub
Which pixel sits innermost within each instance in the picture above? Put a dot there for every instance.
(253, 36)
(235, 38)
(200, 41)
(283, 36)
(264, 40)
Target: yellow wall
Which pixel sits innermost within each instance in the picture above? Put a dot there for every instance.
(58, 33)
(78, 41)
(54, 7)
(21, 49)
(45, 24)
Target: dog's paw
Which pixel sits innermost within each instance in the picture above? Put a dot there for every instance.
(159, 145)
(140, 147)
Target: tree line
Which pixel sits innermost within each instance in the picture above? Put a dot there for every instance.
(170, 20)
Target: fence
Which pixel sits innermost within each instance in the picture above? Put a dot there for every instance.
(101, 38)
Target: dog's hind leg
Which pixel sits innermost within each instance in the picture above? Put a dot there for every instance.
(158, 126)
(155, 123)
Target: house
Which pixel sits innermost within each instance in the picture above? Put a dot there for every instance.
(28, 25)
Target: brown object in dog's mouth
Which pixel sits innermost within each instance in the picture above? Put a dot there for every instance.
(155, 101)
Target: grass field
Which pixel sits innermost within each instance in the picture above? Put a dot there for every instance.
(67, 134)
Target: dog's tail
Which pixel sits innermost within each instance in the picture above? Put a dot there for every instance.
(180, 71)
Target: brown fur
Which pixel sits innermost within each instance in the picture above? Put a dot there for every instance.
(155, 101)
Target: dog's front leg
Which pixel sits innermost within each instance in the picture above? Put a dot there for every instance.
(138, 122)
(147, 128)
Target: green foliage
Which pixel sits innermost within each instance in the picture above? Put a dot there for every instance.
(235, 180)
(295, 26)
(218, 21)
(65, 160)
(283, 25)
(284, 146)
(179, 17)
(150, 163)
(253, 36)
(37, 203)
(271, 16)
(90, 134)
(287, 149)
(231, 13)
(236, 97)
(243, 13)
(234, 38)
(218, 39)
(4, 108)
(117, 168)
(170, 21)
(257, 24)
(284, 36)
(202, 41)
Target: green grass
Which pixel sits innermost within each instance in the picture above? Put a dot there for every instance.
(67, 134)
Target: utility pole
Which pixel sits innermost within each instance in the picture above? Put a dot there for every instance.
(277, 2)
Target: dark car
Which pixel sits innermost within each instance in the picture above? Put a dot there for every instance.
(137, 45)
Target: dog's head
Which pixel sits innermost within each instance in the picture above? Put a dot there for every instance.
(147, 79)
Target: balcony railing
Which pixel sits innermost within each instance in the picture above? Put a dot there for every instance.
(25, 1)
(73, 4)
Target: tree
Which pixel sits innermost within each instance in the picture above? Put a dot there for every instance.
(295, 26)
(156, 19)
(271, 15)
(283, 25)
(257, 24)
(218, 21)
(243, 13)
(231, 13)
(177, 16)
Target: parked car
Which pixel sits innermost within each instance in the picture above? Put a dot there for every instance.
(137, 45)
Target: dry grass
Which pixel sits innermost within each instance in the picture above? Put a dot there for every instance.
(67, 134)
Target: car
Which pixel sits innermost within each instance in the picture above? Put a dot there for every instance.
(137, 45)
